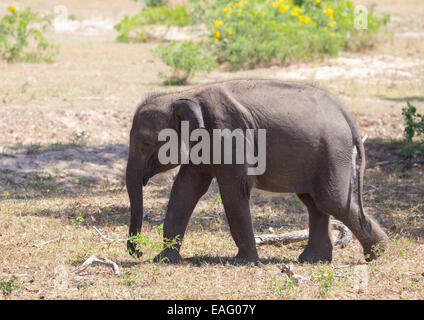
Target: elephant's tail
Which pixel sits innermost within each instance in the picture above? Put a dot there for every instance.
(357, 141)
(363, 221)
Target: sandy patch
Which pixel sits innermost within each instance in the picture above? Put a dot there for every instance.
(68, 166)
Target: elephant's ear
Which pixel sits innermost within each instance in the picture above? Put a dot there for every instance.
(188, 110)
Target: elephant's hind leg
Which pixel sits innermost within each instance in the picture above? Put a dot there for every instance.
(342, 204)
(320, 245)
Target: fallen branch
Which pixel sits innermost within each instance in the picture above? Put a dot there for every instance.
(345, 234)
(92, 260)
(300, 235)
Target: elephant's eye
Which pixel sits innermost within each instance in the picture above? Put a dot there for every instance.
(147, 143)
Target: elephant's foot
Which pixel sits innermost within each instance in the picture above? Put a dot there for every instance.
(372, 252)
(315, 255)
(168, 256)
(132, 250)
(375, 242)
(242, 258)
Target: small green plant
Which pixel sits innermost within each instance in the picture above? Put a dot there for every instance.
(7, 286)
(22, 39)
(144, 241)
(131, 28)
(43, 182)
(220, 220)
(185, 58)
(414, 127)
(286, 288)
(77, 221)
(130, 278)
(84, 285)
(78, 139)
(326, 281)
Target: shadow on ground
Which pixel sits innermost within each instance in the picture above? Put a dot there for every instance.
(393, 190)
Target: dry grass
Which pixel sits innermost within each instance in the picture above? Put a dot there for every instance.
(93, 87)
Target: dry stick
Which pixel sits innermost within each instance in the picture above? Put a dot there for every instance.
(47, 242)
(93, 259)
(113, 240)
(300, 235)
(106, 238)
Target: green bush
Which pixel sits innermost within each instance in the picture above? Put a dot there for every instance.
(21, 37)
(260, 32)
(131, 27)
(185, 58)
(414, 126)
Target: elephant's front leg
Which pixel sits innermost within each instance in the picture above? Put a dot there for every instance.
(235, 194)
(189, 186)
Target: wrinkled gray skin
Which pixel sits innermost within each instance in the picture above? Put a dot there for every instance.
(310, 138)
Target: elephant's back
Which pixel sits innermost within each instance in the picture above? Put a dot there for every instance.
(304, 124)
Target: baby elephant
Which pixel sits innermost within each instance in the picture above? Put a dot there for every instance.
(303, 134)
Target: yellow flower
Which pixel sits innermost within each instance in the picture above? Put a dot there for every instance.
(331, 17)
(218, 23)
(306, 20)
(228, 11)
(217, 35)
(229, 31)
(216, 40)
(332, 24)
(37, 38)
(284, 8)
(12, 9)
(317, 1)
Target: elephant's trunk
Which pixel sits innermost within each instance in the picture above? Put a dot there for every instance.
(134, 181)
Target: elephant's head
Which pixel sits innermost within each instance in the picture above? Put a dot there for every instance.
(151, 117)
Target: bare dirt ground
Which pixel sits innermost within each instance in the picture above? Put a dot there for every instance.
(63, 146)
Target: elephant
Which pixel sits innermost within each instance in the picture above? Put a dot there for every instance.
(310, 138)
